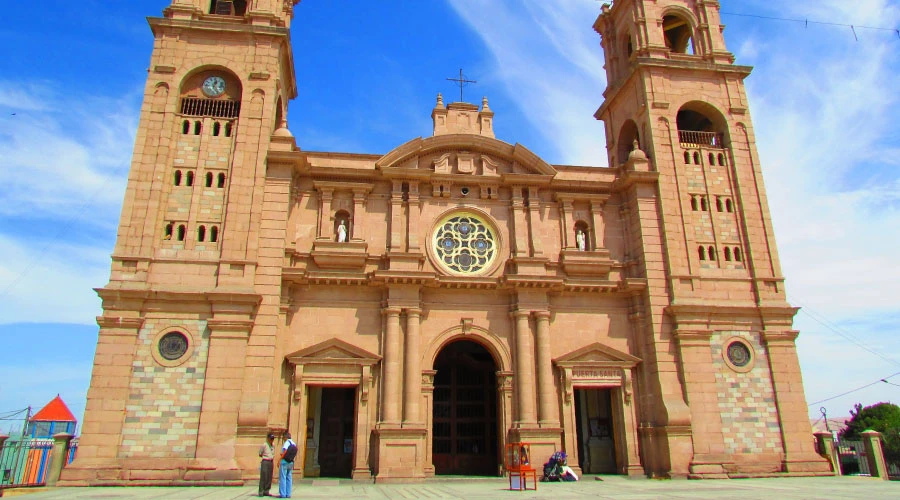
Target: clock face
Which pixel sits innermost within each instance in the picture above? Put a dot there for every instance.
(214, 86)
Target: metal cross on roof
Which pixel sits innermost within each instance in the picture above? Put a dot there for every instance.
(462, 83)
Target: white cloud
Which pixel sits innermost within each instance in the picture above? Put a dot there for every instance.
(550, 60)
(63, 167)
(824, 108)
(62, 156)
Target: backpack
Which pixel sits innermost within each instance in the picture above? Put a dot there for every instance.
(290, 453)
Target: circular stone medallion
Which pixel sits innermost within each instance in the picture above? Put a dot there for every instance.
(173, 345)
(739, 354)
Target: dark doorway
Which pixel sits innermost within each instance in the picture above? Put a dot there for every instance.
(465, 411)
(594, 431)
(336, 452)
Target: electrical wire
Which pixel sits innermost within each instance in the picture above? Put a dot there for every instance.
(807, 22)
(884, 380)
(820, 319)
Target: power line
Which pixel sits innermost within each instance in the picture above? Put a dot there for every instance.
(820, 319)
(884, 380)
(807, 22)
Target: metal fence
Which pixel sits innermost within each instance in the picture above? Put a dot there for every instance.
(853, 458)
(25, 462)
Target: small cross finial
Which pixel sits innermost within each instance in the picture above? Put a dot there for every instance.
(462, 83)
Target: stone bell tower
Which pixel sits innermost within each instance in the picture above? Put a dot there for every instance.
(721, 385)
(178, 346)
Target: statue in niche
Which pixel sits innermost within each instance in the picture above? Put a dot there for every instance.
(342, 232)
(580, 240)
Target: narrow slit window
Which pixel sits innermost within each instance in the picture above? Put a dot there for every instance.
(728, 206)
(186, 127)
(169, 229)
(727, 254)
(712, 159)
(228, 129)
(737, 254)
(190, 179)
(198, 127)
(702, 252)
(721, 160)
(712, 252)
(718, 204)
(694, 203)
(217, 129)
(703, 206)
(696, 158)
(178, 177)
(201, 233)
(209, 180)
(687, 158)
(221, 183)
(181, 231)
(214, 234)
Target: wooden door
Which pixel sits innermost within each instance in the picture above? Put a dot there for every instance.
(465, 411)
(336, 436)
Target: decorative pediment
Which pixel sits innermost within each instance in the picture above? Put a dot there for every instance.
(597, 354)
(331, 352)
(463, 154)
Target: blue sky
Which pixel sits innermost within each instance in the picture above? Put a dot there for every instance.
(823, 105)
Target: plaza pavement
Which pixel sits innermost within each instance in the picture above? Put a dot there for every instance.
(611, 487)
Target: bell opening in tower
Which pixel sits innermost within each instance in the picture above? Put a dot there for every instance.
(700, 125)
(678, 35)
(228, 7)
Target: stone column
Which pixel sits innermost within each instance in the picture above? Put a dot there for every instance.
(326, 229)
(875, 455)
(548, 409)
(397, 217)
(524, 371)
(699, 375)
(390, 406)
(412, 376)
(534, 209)
(827, 450)
(428, 396)
(787, 382)
(415, 211)
(597, 221)
(520, 248)
(565, 211)
(358, 229)
(59, 454)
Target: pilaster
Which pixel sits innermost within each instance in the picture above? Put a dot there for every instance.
(390, 404)
(524, 362)
(548, 411)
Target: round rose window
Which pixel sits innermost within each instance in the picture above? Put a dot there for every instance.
(464, 244)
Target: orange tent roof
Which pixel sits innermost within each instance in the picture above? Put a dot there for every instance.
(55, 411)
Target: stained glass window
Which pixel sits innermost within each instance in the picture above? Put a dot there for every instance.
(465, 244)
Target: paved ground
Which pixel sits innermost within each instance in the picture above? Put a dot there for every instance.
(612, 487)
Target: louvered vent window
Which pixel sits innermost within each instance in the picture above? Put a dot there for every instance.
(216, 108)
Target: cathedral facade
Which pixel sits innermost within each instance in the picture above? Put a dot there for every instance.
(407, 315)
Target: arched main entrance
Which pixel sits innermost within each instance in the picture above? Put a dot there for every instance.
(464, 435)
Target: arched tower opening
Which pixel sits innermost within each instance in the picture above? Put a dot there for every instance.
(228, 7)
(625, 143)
(211, 92)
(700, 125)
(678, 34)
(465, 438)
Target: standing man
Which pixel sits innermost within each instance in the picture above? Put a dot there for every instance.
(266, 465)
(286, 472)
